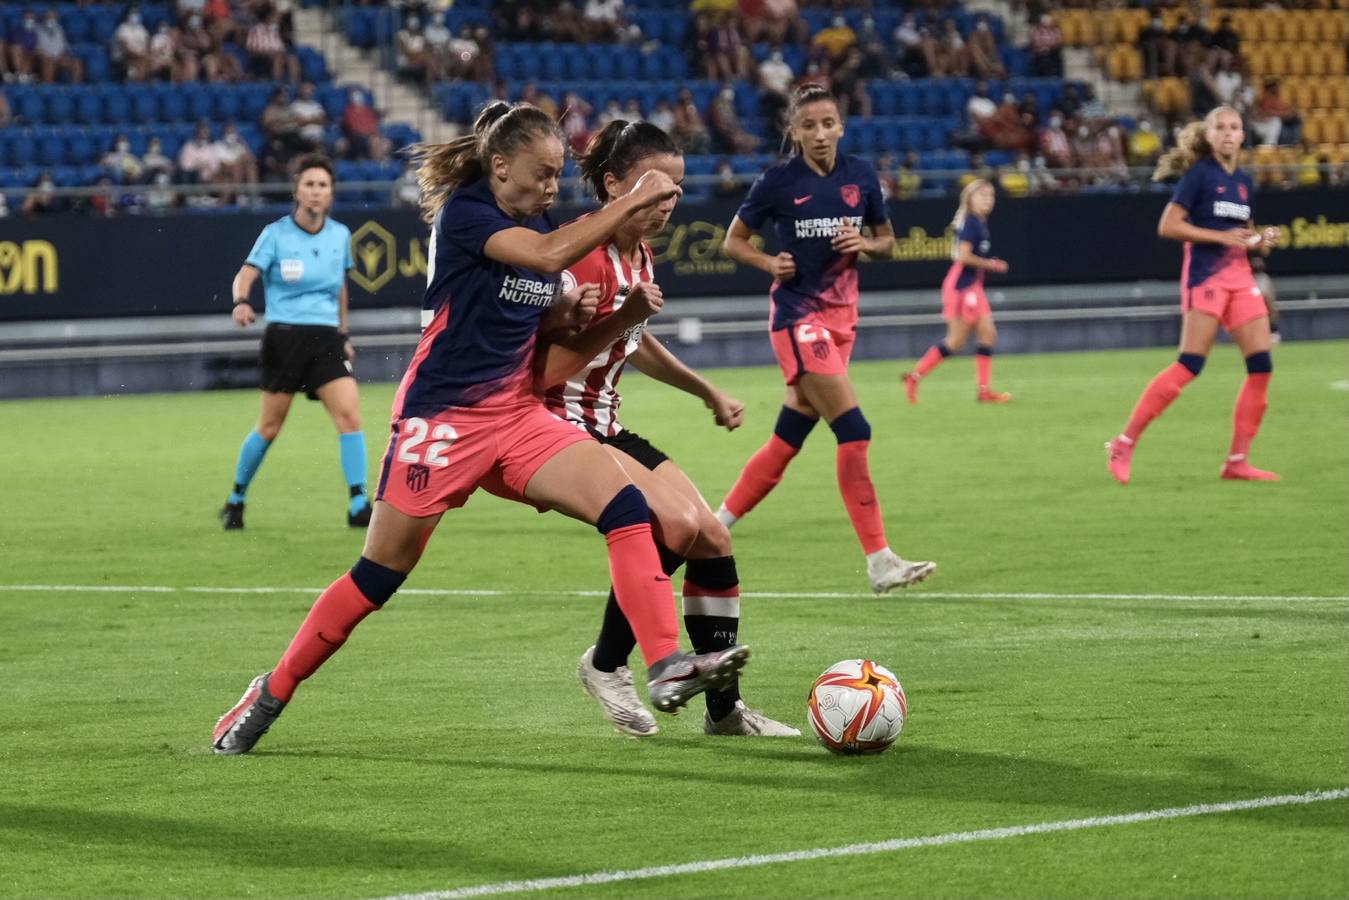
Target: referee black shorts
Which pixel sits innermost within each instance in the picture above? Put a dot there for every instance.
(300, 359)
(633, 444)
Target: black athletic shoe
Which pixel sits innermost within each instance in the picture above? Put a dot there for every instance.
(360, 519)
(232, 516)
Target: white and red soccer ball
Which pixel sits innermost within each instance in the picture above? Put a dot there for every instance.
(857, 706)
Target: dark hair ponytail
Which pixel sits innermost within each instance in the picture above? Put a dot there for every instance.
(802, 96)
(619, 146)
(499, 129)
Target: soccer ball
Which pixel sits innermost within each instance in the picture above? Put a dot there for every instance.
(857, 706)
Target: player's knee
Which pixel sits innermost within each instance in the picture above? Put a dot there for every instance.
(714, 538)
(953, 345)
(347, 422)
(1260, 363)
(378, 583)
(679, 526)
(627, 508)
(944, 348)
(793, 427)
(1194, 362)
(851, 426)
(268, 430)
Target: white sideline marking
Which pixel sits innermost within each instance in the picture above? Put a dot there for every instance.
(936, 840)
(781, 595)
(1340, 385)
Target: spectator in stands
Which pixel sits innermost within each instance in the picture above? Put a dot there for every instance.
(236, 163)
(414, 53)
(985, 62)
(1046, 48)
(1015, 179)
(782, 23)
(1309, 167)
(154, 162)
(562, 23)
(468, 55)
(1203, 87)
(850, 85)
(775, 85)
(1069, 103)
(915, 47)
(953, 56)
(1228, 85)
(199, 53)
(53, 51)
(689, 129)
(103, 202)
(731, 59)
(162, 56)
(41, 200)
(1054, 144)
(575, 120)
(612, 112)
(632, 110)
(1029, 108)
(1042, 181)
(1084, 146)
(267, 53)
(186, 9)
(1195, 46)
(360, 128)
(438, 36)
(877, 61)
(533, 94)
(979, 106)
(830, 44)
(130, 45)
(1004, 130)
(726, 126)
(663, 116)
(22, 46)
(161, 197)
(517, 21)
(1144, 144)
(1158, 49)
(728, 184)
(1108, 155)
(309, 117)
(1226, 41)
(282, 134)
(603, 19)
(6, 114)
(220, 22)
(407, 192)
(1275, 120)
(120, 163)
(198, 159)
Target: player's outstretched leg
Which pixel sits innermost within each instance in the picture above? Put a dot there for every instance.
(929, 361)
(885, 568)
(330, 621)
(1156, 397)
(1250, 410)
(765, 468)
(251, 452)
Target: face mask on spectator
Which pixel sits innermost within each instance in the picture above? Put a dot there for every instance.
(194, 22)
(1046, 20)
(839, 22)
(414, 23)
(357, 99)
(1055, 122)
(29, 23)
(45, 184)
(1145, 125)
(1083, 131)
(728, 94)
(134, 18)
(777, 56)
(123, 146)
(981, 25)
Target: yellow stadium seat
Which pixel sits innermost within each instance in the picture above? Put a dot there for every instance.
(1339, 94)
(1300, 93)
(1125, 63)
(1314, 127)
(1336, 58)
(1268, 26)
(1299, 26)
(1333, 25)
(1267, 155)
(1257, 60)
(1339, 119)
(1297, 59)
(1245, 25)
(1318, 63)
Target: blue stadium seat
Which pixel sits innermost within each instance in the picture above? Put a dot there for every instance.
(78, 25)
(79, 146)
(171, 103)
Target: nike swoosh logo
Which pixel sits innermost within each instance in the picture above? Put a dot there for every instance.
(799, 200)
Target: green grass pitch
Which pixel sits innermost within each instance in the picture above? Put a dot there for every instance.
(448, 745)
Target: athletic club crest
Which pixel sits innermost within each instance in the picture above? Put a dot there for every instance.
(1242, 192)
(852, 194)
(418, 478)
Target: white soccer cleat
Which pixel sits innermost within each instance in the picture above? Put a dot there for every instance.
(617, 698)
(749, 722)
(888, 571)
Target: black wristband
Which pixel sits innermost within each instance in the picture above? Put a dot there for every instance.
(240, 300)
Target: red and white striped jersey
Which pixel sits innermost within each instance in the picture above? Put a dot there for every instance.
(590, 398)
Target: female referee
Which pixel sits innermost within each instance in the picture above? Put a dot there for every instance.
(583, 389)
(1210, 212)
(467, 414)
(818, 201)
(964, 304)
(303, 261)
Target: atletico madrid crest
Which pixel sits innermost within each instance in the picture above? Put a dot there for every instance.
(852, 194)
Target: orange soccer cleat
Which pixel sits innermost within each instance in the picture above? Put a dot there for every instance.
(1237, 469)
(1121, 455)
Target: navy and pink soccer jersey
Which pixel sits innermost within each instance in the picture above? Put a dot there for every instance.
(973, 230)
(590, 398)
(807, 210)
(1221, 201)
(479, 316)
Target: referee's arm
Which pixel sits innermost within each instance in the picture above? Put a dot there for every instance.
(342, 319)
(241, 290)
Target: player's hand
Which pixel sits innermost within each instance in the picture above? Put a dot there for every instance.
(847, 239)
(643, 301)
(782, 267)
(728, 412)
(654, 187)
(577, 307)
(348, 349)
(1269, 238)
(997, 265)
(244, 315)
(1240, 237)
